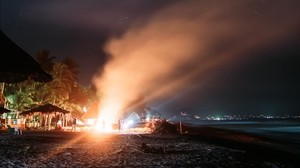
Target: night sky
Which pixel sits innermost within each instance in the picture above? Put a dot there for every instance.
(203, 57)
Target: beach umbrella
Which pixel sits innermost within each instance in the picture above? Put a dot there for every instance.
(47, 108)
(16, 65)
(3, 110)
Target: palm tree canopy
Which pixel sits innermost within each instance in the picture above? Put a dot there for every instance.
(17, 65)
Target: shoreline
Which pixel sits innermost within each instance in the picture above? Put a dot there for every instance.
(250, 142)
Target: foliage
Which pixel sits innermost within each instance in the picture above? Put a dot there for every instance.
(63, 90)
(72, 66)
(19, 96)
(44, 58)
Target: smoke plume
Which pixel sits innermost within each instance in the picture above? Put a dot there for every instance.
(180, 46)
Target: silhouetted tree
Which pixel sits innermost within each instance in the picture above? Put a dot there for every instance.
(72, 65)
(45, 60)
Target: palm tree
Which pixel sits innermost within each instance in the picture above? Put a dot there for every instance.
(62, 91)
(43, 57)
(55, 92)
(19, 96)
(62, 83)
(73, 66)
(82, 96)
(62, 86)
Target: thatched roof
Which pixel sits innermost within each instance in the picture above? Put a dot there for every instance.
(17, 65)
(47, 108)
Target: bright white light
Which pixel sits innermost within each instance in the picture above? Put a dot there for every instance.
(90, 121)
(107, 116)
(127, 124)
(84, 109)
(130, 122)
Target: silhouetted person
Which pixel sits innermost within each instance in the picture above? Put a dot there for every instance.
(119, 125)
(74, 124)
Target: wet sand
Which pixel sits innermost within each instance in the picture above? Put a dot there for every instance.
(199, 147)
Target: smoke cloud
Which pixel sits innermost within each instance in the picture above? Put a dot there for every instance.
(179, 47)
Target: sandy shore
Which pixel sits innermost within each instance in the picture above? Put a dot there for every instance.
(201, 147)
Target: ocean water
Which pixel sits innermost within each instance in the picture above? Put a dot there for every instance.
(284, 129)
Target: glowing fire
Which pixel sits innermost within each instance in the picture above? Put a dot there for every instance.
(107, 117)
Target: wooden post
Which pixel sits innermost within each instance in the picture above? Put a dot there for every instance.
(180, 127)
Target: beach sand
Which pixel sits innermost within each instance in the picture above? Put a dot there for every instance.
(198, 147)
